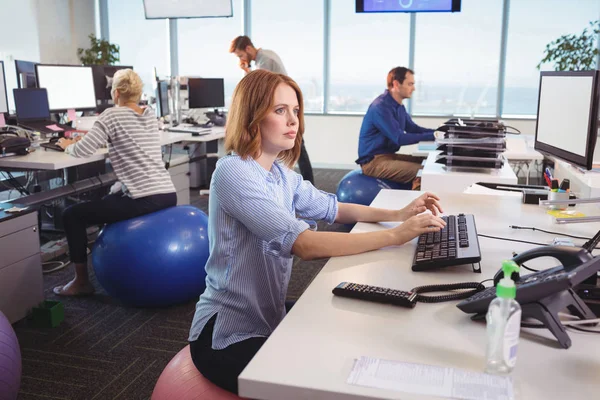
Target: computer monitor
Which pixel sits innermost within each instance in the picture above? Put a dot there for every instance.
(3, 96)
(25, 74)
(407, 6)
(567, 118)
(31, 104)
(103, 75)
(206, 92)
(69, 86)
(162, 98)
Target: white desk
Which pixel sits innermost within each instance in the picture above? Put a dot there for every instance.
(583, 184)
(42, 159)
(437, 178)
(310, 354)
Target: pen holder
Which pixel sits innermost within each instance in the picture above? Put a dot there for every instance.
(553, 196)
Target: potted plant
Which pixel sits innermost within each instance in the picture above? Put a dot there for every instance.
(101, 52)
(572, 52)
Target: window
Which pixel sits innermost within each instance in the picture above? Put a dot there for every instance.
(457, 60)
(204, 48)
(363, 49)
(532, 25)
(294, 30)
(143, 43)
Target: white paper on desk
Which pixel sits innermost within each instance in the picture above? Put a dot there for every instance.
(478, 189)
(429, 380)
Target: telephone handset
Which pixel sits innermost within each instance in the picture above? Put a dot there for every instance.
(570, 258)
(542, 295)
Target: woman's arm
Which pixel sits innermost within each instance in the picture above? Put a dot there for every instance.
(86, 146)
(350, 213)
(312, 245)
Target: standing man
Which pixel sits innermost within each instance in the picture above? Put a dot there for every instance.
(243, 48)
(387, 126)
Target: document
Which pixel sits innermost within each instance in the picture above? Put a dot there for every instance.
(71, 114)
(429, 380)
(55, 128)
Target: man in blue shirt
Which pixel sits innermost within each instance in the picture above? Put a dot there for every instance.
(386, 127)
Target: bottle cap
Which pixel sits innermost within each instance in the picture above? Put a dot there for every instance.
(506, 287)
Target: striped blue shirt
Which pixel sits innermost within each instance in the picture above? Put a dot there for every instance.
(254, 218)
(133, 148)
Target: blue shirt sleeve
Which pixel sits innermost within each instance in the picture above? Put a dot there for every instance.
(386, 123)
(412, 127)
(312, 203)
(254, 205)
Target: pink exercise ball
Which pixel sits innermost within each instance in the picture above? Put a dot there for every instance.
(182, 381)
(10, 361)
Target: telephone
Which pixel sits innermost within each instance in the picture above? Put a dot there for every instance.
(542, 295)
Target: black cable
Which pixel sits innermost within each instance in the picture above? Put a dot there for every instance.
(554, 233)
(511, 240)
(549, 232)
(475, 287)
(581, 329)
(518, 132)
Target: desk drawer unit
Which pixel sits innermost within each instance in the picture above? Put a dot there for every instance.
(21, 286)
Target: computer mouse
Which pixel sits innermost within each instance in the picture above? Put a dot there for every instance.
(53, 140)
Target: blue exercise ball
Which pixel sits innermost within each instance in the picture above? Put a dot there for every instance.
(356, 187)
(154, 260)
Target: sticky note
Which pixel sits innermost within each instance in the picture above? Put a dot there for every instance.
(71, 114)
(55, 128)
(2, 121)
(565, 213)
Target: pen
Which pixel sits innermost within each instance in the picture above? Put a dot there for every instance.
(548, 181)
(549, 173)
(554, 186)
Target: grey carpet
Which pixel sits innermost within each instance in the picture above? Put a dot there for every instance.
(104, 350)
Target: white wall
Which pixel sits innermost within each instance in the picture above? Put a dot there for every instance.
(47, 31)
(332, 140)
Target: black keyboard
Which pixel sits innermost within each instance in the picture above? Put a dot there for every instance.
(530, 288)
(456, 244)
(376, 294)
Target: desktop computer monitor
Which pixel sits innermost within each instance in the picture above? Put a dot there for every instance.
(3, 96)
(31, 104)
(162, 98)
(103, 75)
(25, 74)
(567, 118)
(206, 93)
(68, 86)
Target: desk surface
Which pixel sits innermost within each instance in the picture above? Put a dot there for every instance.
(311, 353)
(53, 160)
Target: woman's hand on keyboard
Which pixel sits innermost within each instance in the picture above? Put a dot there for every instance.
(426, 201)
(417, 225)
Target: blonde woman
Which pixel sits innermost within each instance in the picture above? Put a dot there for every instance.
(258, 212)
(143, 186)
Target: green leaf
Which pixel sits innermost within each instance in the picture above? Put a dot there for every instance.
(572, 52)
(100, 52)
